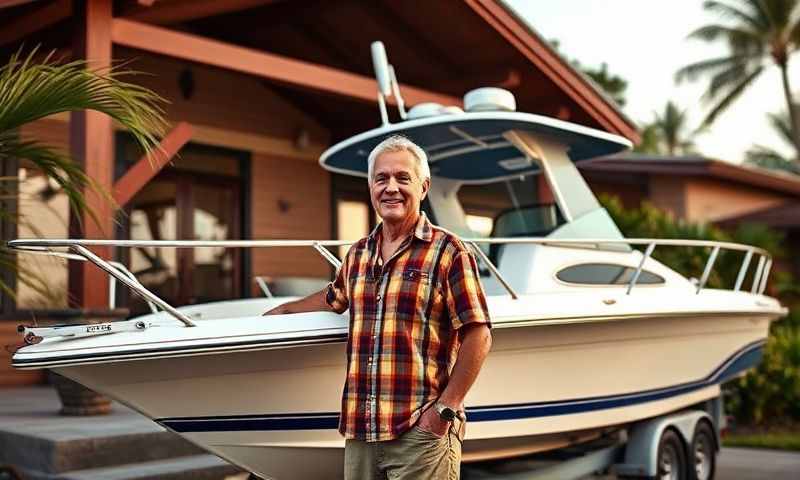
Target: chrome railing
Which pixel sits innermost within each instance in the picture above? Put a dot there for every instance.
(79, 250)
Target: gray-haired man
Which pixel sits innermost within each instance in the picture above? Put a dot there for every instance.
(419, 329)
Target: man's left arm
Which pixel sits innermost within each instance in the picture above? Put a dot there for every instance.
(475, 345)
(466, 305)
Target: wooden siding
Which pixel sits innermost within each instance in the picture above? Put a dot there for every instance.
(221, 99)
(290, 200)
(712, 200)
(668, 193)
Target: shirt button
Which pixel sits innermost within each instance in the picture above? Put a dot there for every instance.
(378, 298)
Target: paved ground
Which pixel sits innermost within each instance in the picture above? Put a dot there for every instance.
(752, 464)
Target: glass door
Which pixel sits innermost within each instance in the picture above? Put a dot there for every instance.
(186, 206)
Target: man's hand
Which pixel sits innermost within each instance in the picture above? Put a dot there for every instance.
(431, 422)
(312, 303)
(279, 310)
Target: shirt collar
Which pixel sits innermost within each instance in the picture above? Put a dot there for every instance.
(423, 230)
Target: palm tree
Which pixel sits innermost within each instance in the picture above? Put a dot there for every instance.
(755, 31)
(770, 158)
(668, 134)
(31, 90)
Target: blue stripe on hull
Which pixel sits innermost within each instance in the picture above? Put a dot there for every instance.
(742, 360)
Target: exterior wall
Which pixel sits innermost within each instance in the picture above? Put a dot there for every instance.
(669, 194)
(631, 196)
(290, 200)
(709, 200)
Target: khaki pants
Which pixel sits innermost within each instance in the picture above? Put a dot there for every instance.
(415, 455)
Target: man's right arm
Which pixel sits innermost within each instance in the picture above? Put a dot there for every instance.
(313, 303)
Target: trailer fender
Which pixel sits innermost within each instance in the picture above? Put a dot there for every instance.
(641, 451)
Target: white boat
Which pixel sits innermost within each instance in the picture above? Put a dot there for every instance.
(590, 335)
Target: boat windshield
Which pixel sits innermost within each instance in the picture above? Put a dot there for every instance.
(510, 208)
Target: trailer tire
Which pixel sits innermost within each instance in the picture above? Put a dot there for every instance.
(672, 463)
(703, 453)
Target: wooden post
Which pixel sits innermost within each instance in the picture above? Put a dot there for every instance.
(92, 143)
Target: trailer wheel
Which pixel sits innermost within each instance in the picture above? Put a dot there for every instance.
(672, 464)
(703, 452)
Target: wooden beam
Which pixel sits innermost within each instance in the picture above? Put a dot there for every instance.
(13, 3)
(92, 143)
(175, 11)
(148, 166)
(39, 19)
(554, 67)
(267, 65)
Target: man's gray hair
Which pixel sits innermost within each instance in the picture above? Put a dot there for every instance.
(399, 143)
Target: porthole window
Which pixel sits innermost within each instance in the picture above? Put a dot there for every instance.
(605, 274)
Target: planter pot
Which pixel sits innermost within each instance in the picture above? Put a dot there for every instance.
(77, 399)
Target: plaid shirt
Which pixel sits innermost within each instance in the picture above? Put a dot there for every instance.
(404, 321)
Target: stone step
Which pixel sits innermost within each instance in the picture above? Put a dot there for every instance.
(194, 467)
(33, 436)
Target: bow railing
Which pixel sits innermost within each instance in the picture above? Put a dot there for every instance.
(78, 249)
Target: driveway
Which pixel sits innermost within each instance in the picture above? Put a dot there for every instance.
(754, 464)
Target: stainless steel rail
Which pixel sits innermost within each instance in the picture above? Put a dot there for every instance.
(118, 272)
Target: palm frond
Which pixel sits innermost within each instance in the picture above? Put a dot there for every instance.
(31, 90)
(754, 19)
(711, 33)
(66, 173)
(711, 66)
(732, 94)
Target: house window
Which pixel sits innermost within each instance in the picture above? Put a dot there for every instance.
(353, 222)
(42, 212)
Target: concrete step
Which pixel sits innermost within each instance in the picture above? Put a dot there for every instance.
(194, 467)
(33, 436)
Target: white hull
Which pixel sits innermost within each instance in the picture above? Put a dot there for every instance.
(542, 387)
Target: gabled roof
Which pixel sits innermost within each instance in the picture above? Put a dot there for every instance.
(447, 47)
(698, 166)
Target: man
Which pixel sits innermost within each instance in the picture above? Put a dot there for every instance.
(419, 329)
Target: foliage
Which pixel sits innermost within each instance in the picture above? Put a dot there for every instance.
(766, 157)
(773, 440)
(668, 133)
(613, 85)
(756, 32)
(31, 90)
(771, 391)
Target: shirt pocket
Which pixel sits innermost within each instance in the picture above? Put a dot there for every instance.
(414, 293)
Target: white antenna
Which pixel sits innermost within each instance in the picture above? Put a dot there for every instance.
(387, 81)
(401, 106)
(381, 66)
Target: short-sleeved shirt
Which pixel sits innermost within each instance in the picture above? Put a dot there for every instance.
(405, 318)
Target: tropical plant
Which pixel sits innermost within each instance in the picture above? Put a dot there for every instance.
(613, 85)
(767, 157)
(756, 32)
(32, 89)
(668, 133)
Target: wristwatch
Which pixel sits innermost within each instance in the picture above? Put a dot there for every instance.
(448, 414)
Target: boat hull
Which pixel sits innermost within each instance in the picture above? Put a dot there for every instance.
(542, 387)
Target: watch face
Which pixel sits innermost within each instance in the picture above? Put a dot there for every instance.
(448, 414)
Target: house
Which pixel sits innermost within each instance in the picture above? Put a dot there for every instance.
(257, 89)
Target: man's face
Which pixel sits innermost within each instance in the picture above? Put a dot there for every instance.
(396, 190)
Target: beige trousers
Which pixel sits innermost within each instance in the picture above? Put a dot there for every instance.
(415, 455)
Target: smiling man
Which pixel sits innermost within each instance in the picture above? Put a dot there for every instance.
(419, 329)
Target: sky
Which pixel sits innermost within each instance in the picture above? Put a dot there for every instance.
(644, 42)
